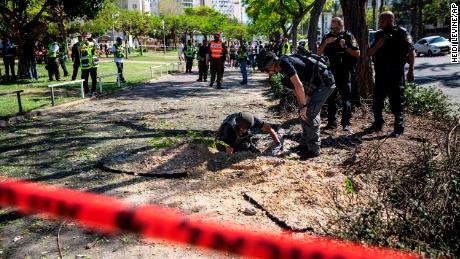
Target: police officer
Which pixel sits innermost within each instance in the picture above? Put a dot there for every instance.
(243, 60)
(189, 53)
(312, 83)
(62, 55)
(118, 54)
(285, 48)
(202, 56)
(342, 50)
(53, 62)
(76, 57)
(235, 132)
(217, 53)
(88, 63)
(391, 50)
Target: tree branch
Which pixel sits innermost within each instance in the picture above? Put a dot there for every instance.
(283, 5)
(39, 14)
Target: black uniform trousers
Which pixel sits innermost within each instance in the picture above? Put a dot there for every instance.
(62, 61)
(53, 69)
(9, 64)
(202, 69)
(120, 70)
(217, 67)
(76, 67)
(389, 82)
(85, 73)
(188, 64)
(342, 78)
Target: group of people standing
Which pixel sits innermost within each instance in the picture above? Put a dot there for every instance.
(317, 80)
(214, 55)
(83, 54)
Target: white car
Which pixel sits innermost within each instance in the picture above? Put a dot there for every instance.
(433, 45)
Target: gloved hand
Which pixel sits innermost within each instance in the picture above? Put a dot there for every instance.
(277, 149)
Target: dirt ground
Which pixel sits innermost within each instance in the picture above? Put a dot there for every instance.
(150, 144)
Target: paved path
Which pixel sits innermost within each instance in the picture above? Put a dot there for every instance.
(63, 148)
(440, 73)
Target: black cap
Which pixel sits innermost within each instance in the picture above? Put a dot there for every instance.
(245, 120)
(265, 59)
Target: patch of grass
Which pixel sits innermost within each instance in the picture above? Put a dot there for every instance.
(161, 142)
(125, 239)
(37, 94)
(349, 185)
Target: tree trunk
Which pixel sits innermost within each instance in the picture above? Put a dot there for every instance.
(293, 32)
(313, 26)
(374, 9)
(140, 46)
(355, 21)
(420, 27)
(382, 2)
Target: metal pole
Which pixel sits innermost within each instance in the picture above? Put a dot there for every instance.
(52, 96)
(19, 101)
(82, 90)
(100, 84)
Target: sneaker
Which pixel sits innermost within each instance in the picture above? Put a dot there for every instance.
(199, 80)
(205, 80)
(373, 128)
(219, 86)
(347, 128)
(244, 83)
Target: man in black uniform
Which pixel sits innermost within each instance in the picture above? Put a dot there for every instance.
(202, 57)
(76, 57)
(235, 135)
(312, 83)
(342, 50)
(391, 50)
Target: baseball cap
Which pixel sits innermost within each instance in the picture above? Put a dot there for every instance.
(245, 120)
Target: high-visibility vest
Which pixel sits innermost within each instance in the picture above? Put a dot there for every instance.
(88, 57)
(285, 49)
(189, 51)
(216, 49)
(119, 51)
(51, 53)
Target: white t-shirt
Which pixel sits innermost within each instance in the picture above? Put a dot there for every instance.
(180, 50)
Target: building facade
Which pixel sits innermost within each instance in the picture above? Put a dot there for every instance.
(143, 6)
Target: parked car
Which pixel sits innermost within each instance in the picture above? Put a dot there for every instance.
(432, 45)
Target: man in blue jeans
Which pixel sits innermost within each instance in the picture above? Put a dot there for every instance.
(242, 60)
(312, 83)
(9, 53)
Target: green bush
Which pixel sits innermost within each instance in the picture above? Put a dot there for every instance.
(415, 207)
(285, 95)
(426, 101)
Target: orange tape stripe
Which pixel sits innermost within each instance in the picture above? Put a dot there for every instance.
(111, 215)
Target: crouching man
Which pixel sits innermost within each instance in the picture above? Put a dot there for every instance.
(312, 82)
(234, 134)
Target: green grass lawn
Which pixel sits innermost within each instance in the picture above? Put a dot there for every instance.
(37, 95)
